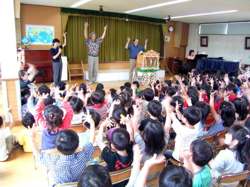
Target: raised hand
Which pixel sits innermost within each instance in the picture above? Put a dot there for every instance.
(65, 34)
(105, 27)
(86, 24)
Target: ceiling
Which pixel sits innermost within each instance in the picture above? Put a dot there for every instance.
(186, 8)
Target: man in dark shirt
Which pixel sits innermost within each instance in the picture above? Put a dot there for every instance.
(134, 49)
(55, 52)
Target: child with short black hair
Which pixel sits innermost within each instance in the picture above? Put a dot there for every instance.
(98, 103)
(24, 137)
(119, 155)
(77, 106)
(186, 133)
(196, 160)
(95, 176)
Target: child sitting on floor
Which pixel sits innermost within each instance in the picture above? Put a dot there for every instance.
(6, 141)
(24, 138)
(69, 164)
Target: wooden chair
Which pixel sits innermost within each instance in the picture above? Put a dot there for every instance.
(76, 70)
(214, 140)
(120, 176)
(78, 128)
(175, 162)
(154, 174)
(241, 177)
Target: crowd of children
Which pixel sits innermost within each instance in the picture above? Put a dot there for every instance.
(135, 127)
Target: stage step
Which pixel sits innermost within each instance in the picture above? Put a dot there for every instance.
(118, 75)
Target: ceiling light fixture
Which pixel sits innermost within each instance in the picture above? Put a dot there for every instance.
(79, 3)
(156, 6)
(204, 14)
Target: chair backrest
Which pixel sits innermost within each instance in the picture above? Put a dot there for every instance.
(78, 128)
(120, 176)
(175, 162)
(214, 140)
(154, 174)
(69, 184)
(233, 177)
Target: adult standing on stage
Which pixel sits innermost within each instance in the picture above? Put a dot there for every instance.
(134, 49)
(93, 45)
(56, 52)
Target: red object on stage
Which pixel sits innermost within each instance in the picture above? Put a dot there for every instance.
(41, 59)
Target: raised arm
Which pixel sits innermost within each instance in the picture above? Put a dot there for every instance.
(128, 41)
(65, 39)
(154, 160)
(88, 118)
(86, 25)
(104, 32)
(146, 44)
(211, 103)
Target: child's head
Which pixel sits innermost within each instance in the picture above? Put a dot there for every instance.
(191, 115)
(136, 83)
(56, 42)
(242, 107)
(117, 112)
(99, 86)
(227, 112)
(28, 120)
(95, 176)
(95, 116)
(238, 138)
(171, 91)
(120, 139)
(155, 108)
(97, 97)
(127, 85)
(175, 176)
(148, 94)
(67, 142)
(231, 88)
(1, 121)
(83, 88)
(54, 116)
(76, 104)
(43, 89)
(48, 100)
(153, 135)
(204, 108)
(23, 75)
(201, 152)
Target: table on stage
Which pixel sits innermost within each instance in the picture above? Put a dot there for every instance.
(215, 65)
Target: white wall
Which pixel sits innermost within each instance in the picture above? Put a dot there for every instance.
(231, 47)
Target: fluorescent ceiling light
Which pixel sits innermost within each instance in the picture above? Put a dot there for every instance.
(79, 3)
(203, 14)
(157, 5)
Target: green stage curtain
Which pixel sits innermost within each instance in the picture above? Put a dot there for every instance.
(112, 48)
